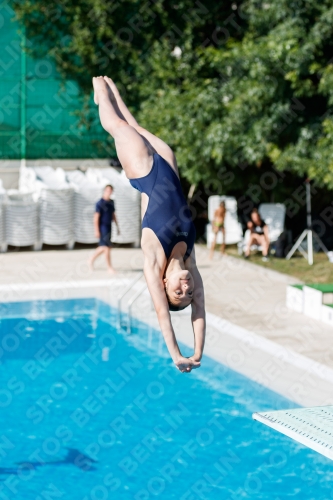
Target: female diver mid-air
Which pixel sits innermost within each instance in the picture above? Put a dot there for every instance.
(168, 232)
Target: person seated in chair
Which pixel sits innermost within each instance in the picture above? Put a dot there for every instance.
(259, 235)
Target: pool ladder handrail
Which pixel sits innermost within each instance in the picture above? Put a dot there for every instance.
(123, 294)
(130, 304)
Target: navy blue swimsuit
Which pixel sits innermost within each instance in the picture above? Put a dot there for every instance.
(168, 214)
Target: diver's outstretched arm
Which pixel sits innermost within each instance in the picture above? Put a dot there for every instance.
(157, 292)
(198, 316)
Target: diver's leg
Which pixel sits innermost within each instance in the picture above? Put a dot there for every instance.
(121, 105)
(155, 142)
(133, 153)
(161, 147)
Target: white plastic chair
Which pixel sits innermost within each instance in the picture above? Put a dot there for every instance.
(274, 215)
(233, 229)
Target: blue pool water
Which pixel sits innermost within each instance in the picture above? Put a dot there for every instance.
(119, 421)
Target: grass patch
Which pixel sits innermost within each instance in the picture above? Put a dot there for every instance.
(320, 272)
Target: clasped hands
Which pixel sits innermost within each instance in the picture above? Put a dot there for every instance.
(186, 365)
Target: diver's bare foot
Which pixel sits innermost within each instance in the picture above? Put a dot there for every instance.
(98, 84)
(111, 84)
(111, 270)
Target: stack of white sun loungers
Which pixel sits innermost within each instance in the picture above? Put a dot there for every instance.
(127, 204)
(3, 245)
(86, 194)
(233, 229)
(57, 207)
(56, 198)
(20, 220)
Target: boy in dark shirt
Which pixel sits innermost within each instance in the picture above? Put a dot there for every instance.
(104, 215)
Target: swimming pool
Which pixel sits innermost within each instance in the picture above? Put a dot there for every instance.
(119, 421)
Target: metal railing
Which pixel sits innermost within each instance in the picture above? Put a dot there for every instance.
(121, 297)
(130, 305)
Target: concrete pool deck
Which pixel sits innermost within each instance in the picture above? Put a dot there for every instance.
(249, 327)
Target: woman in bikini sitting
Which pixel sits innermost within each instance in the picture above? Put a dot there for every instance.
(168, 232)
(218, 225)
(258, 235)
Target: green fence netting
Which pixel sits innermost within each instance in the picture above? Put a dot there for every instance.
(39, 113)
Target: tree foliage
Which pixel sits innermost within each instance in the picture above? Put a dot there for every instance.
(225, 84)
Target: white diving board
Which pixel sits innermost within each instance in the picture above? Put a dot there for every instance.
(312, 427)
